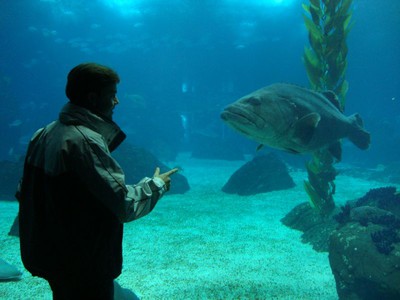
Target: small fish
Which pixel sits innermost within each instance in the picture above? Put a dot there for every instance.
(295, 119)
(15, 123)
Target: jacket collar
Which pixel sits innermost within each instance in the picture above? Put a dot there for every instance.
(72, 114)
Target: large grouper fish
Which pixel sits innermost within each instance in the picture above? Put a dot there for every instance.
(295, 119)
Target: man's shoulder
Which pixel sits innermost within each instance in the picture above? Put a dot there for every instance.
(84, 135)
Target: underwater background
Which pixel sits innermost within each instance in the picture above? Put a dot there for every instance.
(187, 59)
(181, 62)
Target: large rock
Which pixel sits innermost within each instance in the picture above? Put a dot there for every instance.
(363, 240)
(315, 227)
(264, 173)
(138, 163)
(385, 198)
(9, 272)
(364, 251)
(365, 261)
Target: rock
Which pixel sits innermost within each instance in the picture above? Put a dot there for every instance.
(365, 214)
(9, 272)
(361, 271)
(316, 228)
(364, 251)
(121, 293)
(378, 206)
(14, 230)
(264, 173)
(138, 163)
(384, 198)
(363, 243)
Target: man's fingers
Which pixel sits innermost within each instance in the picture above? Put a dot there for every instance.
(157, 172)
(166, 174)
(172, 171)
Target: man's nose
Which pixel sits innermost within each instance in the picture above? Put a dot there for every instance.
(116, 101)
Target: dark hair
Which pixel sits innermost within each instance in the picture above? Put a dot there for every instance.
(86, 78)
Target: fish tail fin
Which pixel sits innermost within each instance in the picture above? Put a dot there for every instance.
(358, 135)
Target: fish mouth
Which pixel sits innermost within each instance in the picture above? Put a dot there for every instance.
(238, 118)
(243, 124)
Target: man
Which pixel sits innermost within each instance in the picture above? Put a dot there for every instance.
(73, 196)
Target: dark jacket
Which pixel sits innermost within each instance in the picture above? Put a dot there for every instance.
(74, 200)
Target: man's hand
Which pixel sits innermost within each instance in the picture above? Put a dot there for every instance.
(165, 176)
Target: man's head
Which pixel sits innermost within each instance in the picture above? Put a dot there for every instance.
(93, 86)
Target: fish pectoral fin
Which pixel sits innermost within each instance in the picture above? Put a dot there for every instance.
(305, 127)
(333, 98)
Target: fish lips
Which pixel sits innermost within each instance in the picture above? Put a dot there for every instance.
(237, 117)
(242, 124)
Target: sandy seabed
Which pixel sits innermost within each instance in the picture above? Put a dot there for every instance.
(206, 244)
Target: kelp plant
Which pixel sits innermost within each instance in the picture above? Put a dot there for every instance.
(328, 23)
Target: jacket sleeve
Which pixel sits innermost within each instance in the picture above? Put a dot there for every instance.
(143, 196)
(104, 178)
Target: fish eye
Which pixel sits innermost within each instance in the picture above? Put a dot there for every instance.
(254, 101)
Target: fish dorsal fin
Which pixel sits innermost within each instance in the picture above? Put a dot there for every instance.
(305, 127)
(331, 96)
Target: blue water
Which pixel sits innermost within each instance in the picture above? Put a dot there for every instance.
(187, 59)
(182, 61)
